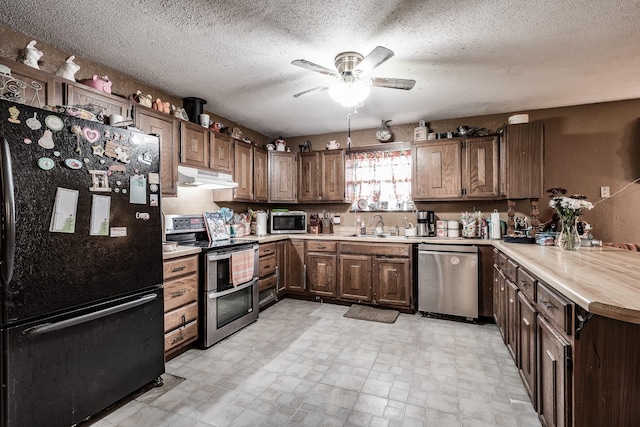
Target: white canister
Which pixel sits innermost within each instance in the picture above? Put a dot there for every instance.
(204, 120)
(453, 228)
(261, 223)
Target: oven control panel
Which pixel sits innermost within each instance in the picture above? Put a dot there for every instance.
(183, 223)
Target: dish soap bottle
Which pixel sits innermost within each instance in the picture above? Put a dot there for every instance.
(420, 133)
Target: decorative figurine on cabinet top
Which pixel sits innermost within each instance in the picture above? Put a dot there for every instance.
(179, 112)
(68, 69)
(98, 82)
(143, 99)
(30, 55)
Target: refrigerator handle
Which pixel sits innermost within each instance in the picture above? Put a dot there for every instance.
(50, 327)
(9, 214)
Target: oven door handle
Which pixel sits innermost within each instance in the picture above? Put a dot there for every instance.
(218, 257)
(230, 291)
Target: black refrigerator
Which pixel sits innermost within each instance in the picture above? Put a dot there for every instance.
(81, 312)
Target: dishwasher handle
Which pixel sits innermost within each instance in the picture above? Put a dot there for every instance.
(447, 249)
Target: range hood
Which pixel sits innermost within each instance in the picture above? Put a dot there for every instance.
(192, 177)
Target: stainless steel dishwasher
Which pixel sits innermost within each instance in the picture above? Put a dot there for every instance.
(448, 280)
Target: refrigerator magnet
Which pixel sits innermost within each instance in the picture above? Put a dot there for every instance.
(33, 123)
(145, 158)
(63, 218)
(118, 232)
(13, 115)
(97, 150)
(153, 200)
(99, 181)
(54, 122)
(154, 178)
(46, 141)
(100, 213)
(138, 190)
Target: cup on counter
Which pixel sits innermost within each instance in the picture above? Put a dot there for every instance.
(410, 232)
(204, 120)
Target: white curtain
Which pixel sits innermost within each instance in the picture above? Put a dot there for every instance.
(382, 178)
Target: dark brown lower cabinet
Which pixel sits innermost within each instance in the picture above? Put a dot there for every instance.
(294, 277)
(355, 277)
(554, 378)
(391, 282)
(527, 334)
(511, 327)
(321, 274)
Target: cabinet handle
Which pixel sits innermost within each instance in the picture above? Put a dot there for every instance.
(178, 339)
(178, 294)
(523, 283)
(322, 247)
(176, 269)
(184, 319)
(267, 266)
(546, 304)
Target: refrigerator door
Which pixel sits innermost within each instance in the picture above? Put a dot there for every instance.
(57, 271)
(62, 370)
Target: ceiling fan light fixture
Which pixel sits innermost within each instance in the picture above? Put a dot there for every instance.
(349, 94)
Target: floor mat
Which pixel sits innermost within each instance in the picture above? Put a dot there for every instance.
(373, 314)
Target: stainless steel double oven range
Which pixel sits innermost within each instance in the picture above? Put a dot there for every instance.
(224, 307)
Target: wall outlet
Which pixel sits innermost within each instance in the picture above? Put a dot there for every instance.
(604, 192)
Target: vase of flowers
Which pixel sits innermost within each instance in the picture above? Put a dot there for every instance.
(569, 209)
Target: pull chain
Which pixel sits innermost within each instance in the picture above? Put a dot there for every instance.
(349, 133)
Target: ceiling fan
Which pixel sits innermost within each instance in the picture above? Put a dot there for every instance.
(353, 72)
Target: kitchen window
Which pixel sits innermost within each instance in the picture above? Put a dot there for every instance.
(379, 180)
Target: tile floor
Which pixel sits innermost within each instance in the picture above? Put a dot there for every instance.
(304, 364)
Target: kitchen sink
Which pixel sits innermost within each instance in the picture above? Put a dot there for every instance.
(371, 235)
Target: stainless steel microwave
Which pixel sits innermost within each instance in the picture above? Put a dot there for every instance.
(288, 222)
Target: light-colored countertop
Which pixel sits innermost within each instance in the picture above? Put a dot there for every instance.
(602, 280)
(369, 239)
(181, 251)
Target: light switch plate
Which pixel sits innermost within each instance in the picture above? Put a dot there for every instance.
(604, 192)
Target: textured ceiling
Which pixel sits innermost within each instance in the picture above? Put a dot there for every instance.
(468, 57)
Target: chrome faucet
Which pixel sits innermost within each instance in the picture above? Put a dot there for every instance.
(381, 221)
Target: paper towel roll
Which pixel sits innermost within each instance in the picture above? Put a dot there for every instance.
(495, 225)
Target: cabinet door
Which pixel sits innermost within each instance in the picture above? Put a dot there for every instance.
(355, 277)
(522, 160)
(481, 167)
(511, 318)
(260, 174)
(309, 189)
(280, 267)
(282, 177)
(499, 299)
(294, 270)
(167, 128)
(41, 88)
(393, 284)
(436, 170)
(243, 170)
(321, 274)
(78, 94)
(554, 380)
(194, 145)
(527, 332)
(332, 176)
(221, 159)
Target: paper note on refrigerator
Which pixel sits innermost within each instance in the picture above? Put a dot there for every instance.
(63, 217)
(138, 190)
(100, 212)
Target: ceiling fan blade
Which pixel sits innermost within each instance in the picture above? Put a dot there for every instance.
(314, 67)
(315, 89)
(392, 83)
(375, 58)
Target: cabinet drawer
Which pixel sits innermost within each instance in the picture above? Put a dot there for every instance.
(321, 246)
(372, 249)
(180, 291)
(555, 308)
(510, 270)
(180, 316)
(526, 283)
(502, 261)
(180, 336)
(267, 265)
(179, 267)
(266, 249)
(267, 283)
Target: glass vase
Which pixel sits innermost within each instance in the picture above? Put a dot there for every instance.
(569, 239)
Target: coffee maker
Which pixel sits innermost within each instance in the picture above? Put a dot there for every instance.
(426, 223)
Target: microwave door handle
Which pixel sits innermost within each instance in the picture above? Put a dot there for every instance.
(9, 214)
